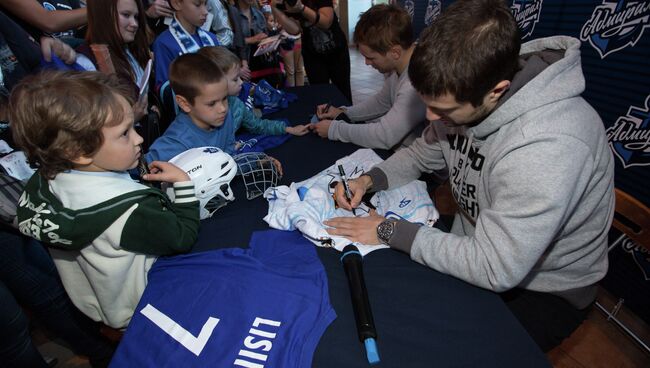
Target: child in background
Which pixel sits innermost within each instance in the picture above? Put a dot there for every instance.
(183, 36)
(104, 241)
(242, 116)
(209, 117)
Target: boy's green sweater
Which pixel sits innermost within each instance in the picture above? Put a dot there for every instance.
(156, 227)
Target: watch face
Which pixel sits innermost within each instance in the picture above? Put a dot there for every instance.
(385, 231)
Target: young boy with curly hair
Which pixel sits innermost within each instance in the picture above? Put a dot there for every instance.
(105, 230)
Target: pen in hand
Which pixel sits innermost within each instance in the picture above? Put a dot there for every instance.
(344, 180)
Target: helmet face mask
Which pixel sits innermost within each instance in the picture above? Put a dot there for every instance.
(258, 172)
(211, 171)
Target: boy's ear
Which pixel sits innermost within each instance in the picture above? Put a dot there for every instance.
(175, 4)
(77, 158)
(82, 161)
(184, 104)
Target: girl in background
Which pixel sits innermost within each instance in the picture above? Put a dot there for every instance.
(122, 26)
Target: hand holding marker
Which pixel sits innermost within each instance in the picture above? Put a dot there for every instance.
(344, 181)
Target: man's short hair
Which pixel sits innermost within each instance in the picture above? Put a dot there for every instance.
(469, 48)
(57, 117)
(189, 72)
(221, 56)
(384, 26)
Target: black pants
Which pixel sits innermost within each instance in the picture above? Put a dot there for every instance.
(335, 67)
(548, 319)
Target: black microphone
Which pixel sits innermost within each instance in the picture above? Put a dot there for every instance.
(353, 266)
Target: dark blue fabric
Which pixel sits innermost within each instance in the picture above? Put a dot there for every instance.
(271, 99)
(245, 94)
(278, 278)
(58, 64)
(259, 142)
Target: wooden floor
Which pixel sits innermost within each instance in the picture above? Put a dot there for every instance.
(600, 343)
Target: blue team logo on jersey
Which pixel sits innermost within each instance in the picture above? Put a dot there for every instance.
(615, 25)
(629, 137)
(48, 6)
(211, 150)
(409, 6)
(640, 255)
(527, 14)
(433, 10)
(404, 202)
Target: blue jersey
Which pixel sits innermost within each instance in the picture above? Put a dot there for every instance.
(266, 306)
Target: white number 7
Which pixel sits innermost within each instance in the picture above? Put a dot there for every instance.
(176, 331)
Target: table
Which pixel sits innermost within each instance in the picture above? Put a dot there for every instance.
(423, 318)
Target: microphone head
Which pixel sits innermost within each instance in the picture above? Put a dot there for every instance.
(351, 252)
(350, 248)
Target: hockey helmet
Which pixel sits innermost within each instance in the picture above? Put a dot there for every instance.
(211, 171)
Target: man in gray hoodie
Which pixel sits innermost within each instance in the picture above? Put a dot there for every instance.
(529, 168)
(395, 115)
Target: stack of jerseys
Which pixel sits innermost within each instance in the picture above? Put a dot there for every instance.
(266, 306)
(304, 205)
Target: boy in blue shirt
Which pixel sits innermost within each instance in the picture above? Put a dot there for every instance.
(183, 36)
(242, 116)
(202, 93)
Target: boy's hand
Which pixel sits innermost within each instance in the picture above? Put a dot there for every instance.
(326, 111)
(165, 171)
(298, 129)
(321, 128)
(277, 164)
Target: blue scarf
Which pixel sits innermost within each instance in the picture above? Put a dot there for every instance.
(185, 40)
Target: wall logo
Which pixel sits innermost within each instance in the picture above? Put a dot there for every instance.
(640, 255)
(629, 137)
(433, 10)
(614, 25)
(527, 14)
(409, 6)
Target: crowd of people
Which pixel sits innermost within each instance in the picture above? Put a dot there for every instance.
(526, 156)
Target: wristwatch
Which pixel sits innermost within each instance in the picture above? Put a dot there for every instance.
(385, 230)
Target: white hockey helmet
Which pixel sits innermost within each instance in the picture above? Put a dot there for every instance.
(211, 171)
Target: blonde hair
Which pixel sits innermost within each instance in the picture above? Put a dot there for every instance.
(221, 56)
(57, 117)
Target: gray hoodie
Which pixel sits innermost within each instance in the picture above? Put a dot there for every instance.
(395, 117)
(533, 182)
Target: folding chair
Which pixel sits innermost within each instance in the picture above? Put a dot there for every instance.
(632, 218)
